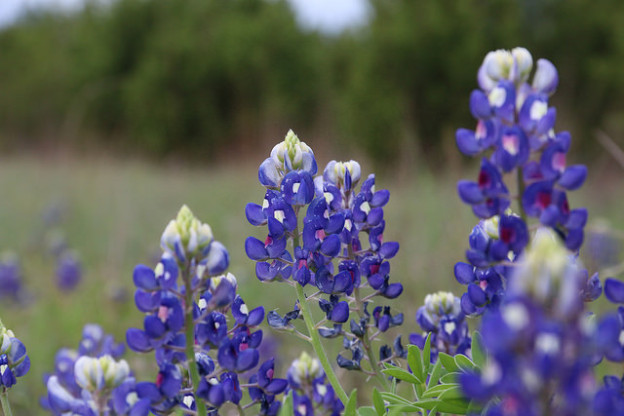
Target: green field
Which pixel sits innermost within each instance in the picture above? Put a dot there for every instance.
(116, 211)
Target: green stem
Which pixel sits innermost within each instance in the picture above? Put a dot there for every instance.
(313, 333)
(6, 407)
(520, 179)
(367, 344)
(318, 347)
(189, 325)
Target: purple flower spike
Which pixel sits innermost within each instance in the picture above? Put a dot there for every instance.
(614, 290)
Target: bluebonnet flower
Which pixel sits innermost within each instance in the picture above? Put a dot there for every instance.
(186, 237)
(339, 247)
(489, 195)
(609, 400)
(287, 156)
(311, 392)
(515, 125)
(93, 378)
(493, 243)
(539, 343)
(68, 271)
(442, 317)
(11, 279)
(199, 366)
(14, 362)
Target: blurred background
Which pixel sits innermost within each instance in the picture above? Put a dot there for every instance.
(113, 113)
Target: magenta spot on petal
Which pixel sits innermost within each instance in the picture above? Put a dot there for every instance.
(268, 241)
(565, 208)
(320, 234)
(483, 284)
(511, 144)
(559, 161)
(510, 406)
(163, 313)
(243, 346)
(159, 379)
(481, 131)
(374, 268)
(302, 264)
(484, 179)
(269, 374)
(543, 199)
(506, 234)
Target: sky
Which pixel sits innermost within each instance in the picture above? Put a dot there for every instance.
(329, 16)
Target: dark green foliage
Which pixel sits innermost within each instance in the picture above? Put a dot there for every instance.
(209, 77)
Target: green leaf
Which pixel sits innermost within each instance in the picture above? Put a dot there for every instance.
(464, 363)
(367, 411)
(454, 392)
(437, 372)
(414, 359)
(438, 390)
(378, 402)
(401, 374)
(458, 407)
(448, 362)
(478, 350)
(444, 406)
(287, 406)
(450, 378)
(395, 399)
(351, 404)
(426, 356)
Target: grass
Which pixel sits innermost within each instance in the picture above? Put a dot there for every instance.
(116, 211)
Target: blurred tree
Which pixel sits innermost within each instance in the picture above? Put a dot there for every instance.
(210, 77)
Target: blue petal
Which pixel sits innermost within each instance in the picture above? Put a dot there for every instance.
(573, 177)
(340, 313)
(144, 278)
(389, 249)
(614, 290)
(464, 273)
(254, 214)
(469, 192)
(255, 249)
(138, 340)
